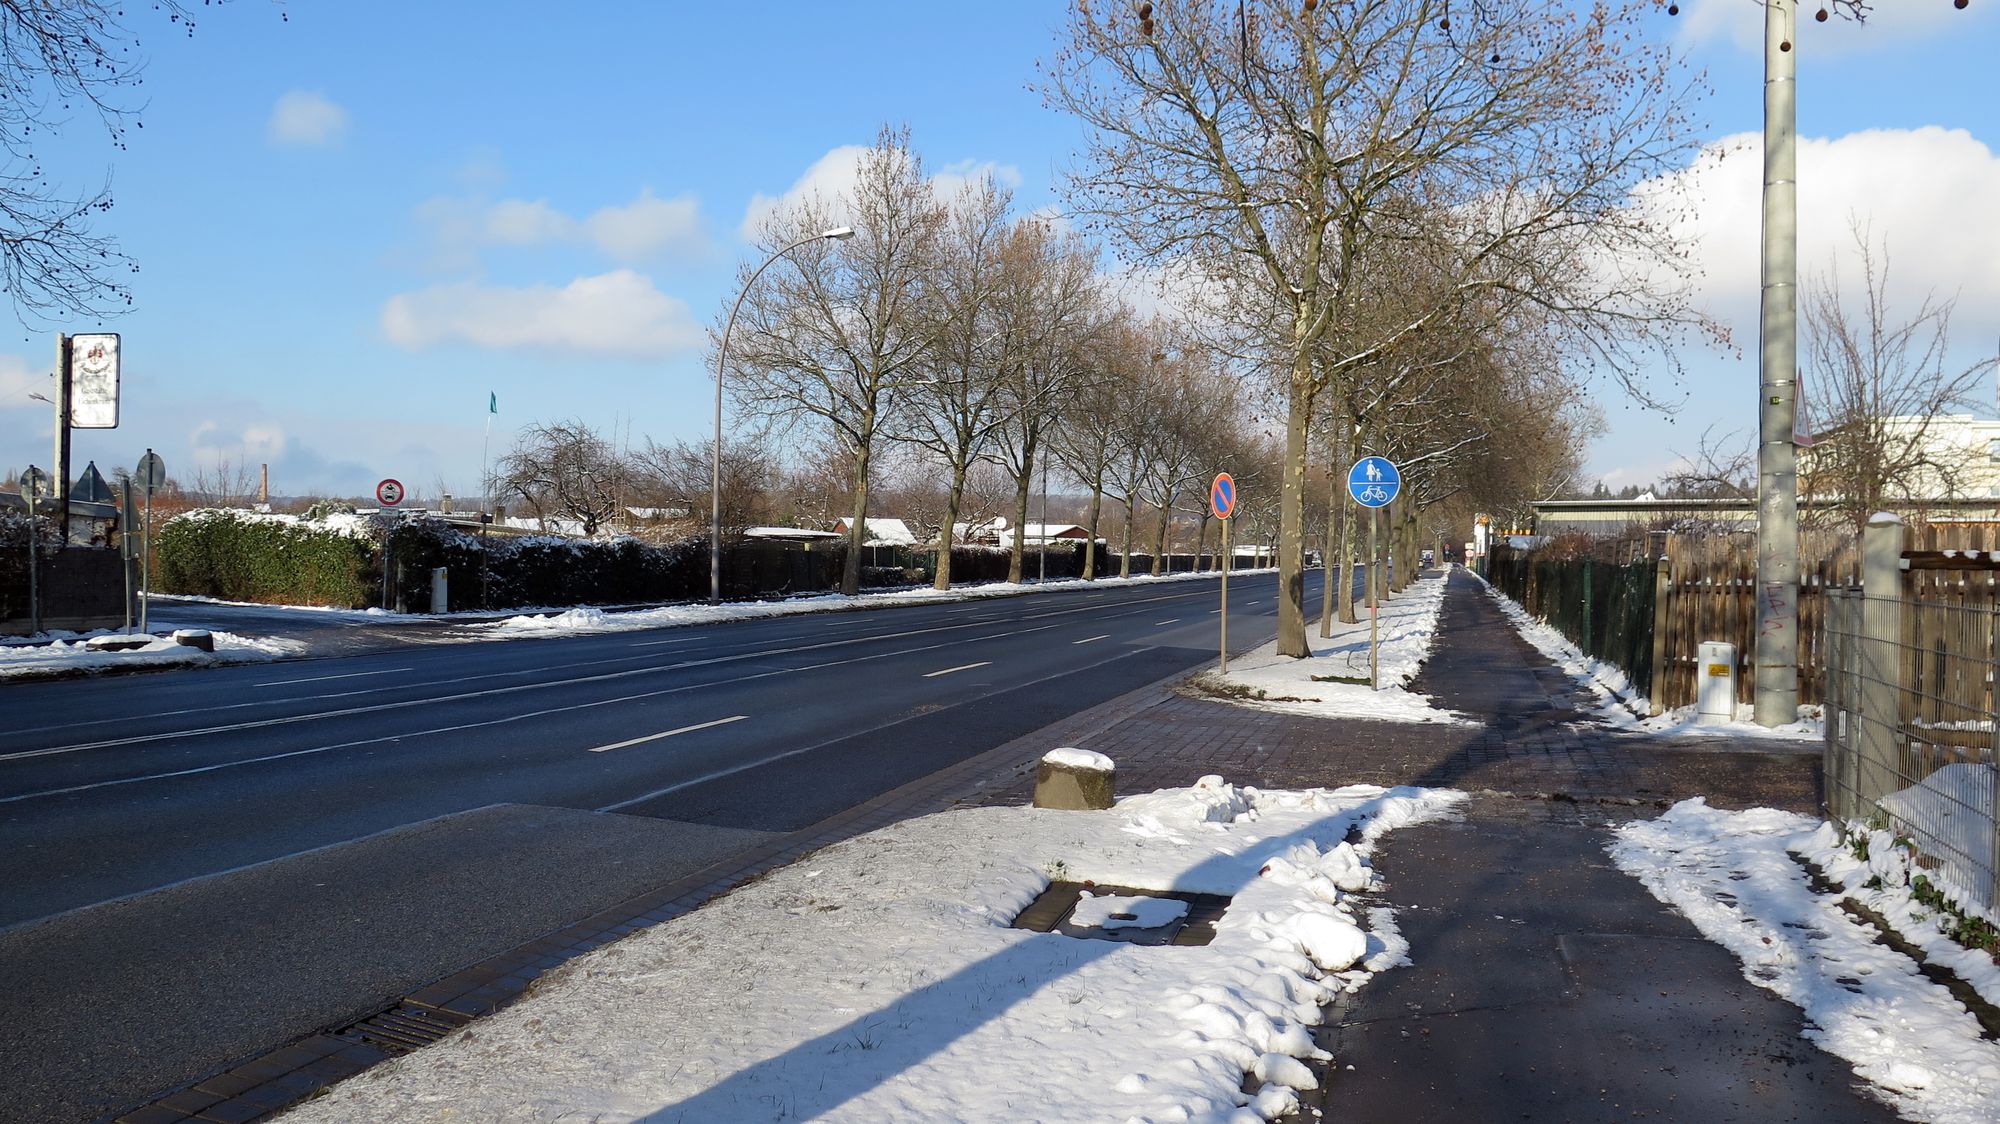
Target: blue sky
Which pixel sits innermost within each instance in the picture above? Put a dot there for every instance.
(355, 223)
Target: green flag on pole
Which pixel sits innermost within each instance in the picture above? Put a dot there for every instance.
(492, 401)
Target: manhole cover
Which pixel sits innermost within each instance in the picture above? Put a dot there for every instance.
(1124, 913)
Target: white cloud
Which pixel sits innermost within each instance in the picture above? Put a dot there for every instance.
(306, 118)
(649, 227)
(834, 175)
(1922, 190)
(1741, 23)
(254, 443)
(518, 222)
(616, 313)
(830, 176)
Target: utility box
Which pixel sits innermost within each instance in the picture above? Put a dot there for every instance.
(440, 590)
(1715, 684)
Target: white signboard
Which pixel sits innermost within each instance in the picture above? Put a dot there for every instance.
(93, 386)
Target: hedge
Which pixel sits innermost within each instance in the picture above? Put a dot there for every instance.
(276, 559)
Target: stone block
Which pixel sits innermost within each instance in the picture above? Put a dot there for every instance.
(1075, 780)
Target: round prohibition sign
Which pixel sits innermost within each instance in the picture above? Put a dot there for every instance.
(389, 492)
(1222, 495)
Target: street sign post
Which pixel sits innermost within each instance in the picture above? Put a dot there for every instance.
(1374, 482)
(389, 492)
(34, 485)
(1222, 501)
(151, 475)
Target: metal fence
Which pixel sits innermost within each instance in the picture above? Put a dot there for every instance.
(1912, 725)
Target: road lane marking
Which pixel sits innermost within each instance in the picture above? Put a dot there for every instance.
(1139, 602)
(961, 667)
(1088, 639)
(675, 640)
(670, 733)
(324, 678)
(463, 726)
(790, 753)
(1212, 612)
(1165, 623)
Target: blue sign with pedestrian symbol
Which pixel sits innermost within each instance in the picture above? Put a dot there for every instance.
(1374, 481)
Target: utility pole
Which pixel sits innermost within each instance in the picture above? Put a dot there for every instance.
(1777, 671)
(59, 493)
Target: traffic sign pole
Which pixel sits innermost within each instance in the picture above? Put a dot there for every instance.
(1374, 607)
(1222, 501)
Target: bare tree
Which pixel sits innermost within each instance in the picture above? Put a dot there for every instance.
(677, 478)
(955, 412)
(1051, 306)
(1282, 144)
(223, 481)
(837, 327)
(55, 57)
(1881, 383)
(1091, 427)
(564, 470)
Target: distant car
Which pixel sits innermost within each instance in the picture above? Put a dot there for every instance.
(1428, 557)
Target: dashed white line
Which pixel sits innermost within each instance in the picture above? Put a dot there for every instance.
(324, 678)
(1088, 639)
(657, 643)
(670, 733)
(1165, 623)
(961, 667)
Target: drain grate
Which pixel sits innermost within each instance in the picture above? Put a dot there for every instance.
(1054, 910)
(403, 1028)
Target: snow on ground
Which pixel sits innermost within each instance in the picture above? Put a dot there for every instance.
(1334, 681)
(1731, 874)
(1623, 705)
(583, 621)
(879, 979)
(163, 603)
(70, 653)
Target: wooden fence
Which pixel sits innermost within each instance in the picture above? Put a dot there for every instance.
(1705, 588)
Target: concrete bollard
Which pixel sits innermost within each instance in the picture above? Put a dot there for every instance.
(195, 638)
(1075, 780)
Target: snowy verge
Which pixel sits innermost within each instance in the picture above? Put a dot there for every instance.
(583, 621)
(1333, 681)
(70, 654)
(1730, 873)
(879, 980)
(1623, 705)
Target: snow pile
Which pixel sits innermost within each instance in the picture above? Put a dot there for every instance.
(1730, 874)
(879, 980)
(1950, 813)
(71, 653)
(1334, 681)
(576, 622)
(1625, 705)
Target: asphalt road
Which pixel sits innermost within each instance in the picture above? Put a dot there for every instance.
(197, 864)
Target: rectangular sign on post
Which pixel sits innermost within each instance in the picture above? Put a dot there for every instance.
(93, 365)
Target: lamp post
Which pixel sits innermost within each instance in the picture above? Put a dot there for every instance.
(721, 364)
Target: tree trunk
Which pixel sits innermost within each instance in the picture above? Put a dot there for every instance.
(1022, 486)
(1160, 541)
(1291, 514)
(942, 579)
(1090, 547)
(1336, 567)
(1200, 538)
(850, 573)
(1125, 564)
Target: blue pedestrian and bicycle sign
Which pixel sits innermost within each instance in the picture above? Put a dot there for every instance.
(1374, 481)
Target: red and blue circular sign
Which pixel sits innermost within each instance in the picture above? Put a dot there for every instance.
(1222, 495)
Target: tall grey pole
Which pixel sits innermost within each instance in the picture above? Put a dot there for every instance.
(64, 389)
(1777, 674)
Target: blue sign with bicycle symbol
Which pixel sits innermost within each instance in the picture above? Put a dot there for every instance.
(1374, 481)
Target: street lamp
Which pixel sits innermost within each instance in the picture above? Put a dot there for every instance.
(838, 233)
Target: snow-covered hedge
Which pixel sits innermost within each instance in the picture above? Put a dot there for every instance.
(278, 559)
(502, 571)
